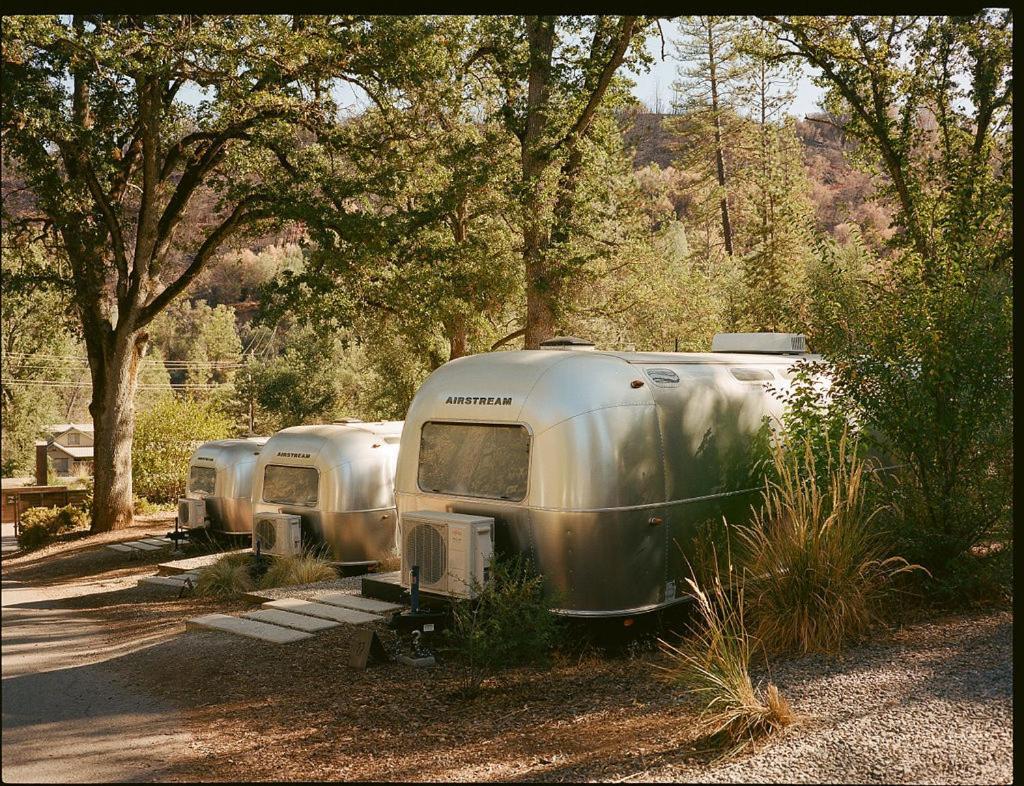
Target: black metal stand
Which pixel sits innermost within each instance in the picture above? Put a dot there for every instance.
(177, 536)
(418, 623)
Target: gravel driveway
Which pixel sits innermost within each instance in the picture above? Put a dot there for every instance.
(933, 706)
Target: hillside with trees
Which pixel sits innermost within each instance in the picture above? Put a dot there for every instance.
(280, 258)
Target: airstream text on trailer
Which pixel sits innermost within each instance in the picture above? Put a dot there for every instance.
(339, 480)
(599, 465)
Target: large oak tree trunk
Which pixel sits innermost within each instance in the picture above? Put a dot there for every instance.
(115, 378)
(546, 282)
(458, 338)
(540, 305)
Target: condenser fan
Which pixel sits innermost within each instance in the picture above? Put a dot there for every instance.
(426, 548)
(267, 533)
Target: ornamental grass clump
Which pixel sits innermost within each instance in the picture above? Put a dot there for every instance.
(818, 572)
(291, 571)
(713, 664)
(230, 575)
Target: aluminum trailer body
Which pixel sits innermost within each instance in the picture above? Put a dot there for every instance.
(601, 466)
(220, 472)
(339, 478)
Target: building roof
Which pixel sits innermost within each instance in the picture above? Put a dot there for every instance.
(60, 428)
(79, 453)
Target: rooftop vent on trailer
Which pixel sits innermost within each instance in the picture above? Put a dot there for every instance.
(567, 342)
(760, 343)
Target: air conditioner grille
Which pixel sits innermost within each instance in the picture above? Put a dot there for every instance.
(267, 533)
(425, 547)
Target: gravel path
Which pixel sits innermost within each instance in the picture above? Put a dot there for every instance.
(933, 706)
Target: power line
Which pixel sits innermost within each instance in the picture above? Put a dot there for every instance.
(83, 363)
(58, 384)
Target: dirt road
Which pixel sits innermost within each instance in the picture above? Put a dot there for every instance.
(68, 716)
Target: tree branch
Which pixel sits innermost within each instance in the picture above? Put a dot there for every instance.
(239, 216)
(582, 124)
(511, 336)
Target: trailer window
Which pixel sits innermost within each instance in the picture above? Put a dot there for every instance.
(291, 485)
(474, 460)
(752, 374)
(202, 479)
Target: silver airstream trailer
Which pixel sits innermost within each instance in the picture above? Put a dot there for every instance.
(220, 475)
(595, 464)
(339, 479)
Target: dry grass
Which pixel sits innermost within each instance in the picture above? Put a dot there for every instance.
(289, 571)
(228, 576)
(713, 664)
(817, 572)
(391, 562)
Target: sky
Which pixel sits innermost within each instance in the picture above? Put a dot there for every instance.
(655, 83)
(658, 81)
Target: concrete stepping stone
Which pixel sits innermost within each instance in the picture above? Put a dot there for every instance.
(244, 627)
(141, 546)
(165, 581)
(371, 605)
(122, 547)
(156, 541)
(194, 563)
(287, 619)
(309, 608)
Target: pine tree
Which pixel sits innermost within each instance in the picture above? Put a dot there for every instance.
(708, 79)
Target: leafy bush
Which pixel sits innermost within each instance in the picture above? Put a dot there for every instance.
(86, 484)
(816, 569)
(923, 358)
(165, 437)
(39, 526)
(289, 571)
(508, 623)
(34, 528)
(230, 575)
(714, 664)
(811, 419)
(144, 507)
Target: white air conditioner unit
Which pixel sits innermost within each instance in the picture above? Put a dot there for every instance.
(279, 534)
(760, 343)
(453, 551)
(191, 512)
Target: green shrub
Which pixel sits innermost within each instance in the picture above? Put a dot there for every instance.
(39, 526)
(71, 518)
(818, 572)
(923, 357)
(290, 571)
(508, 623)
(35, 527)
(230, 575)
(165, 436)
(713, 663)
(143, 507)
